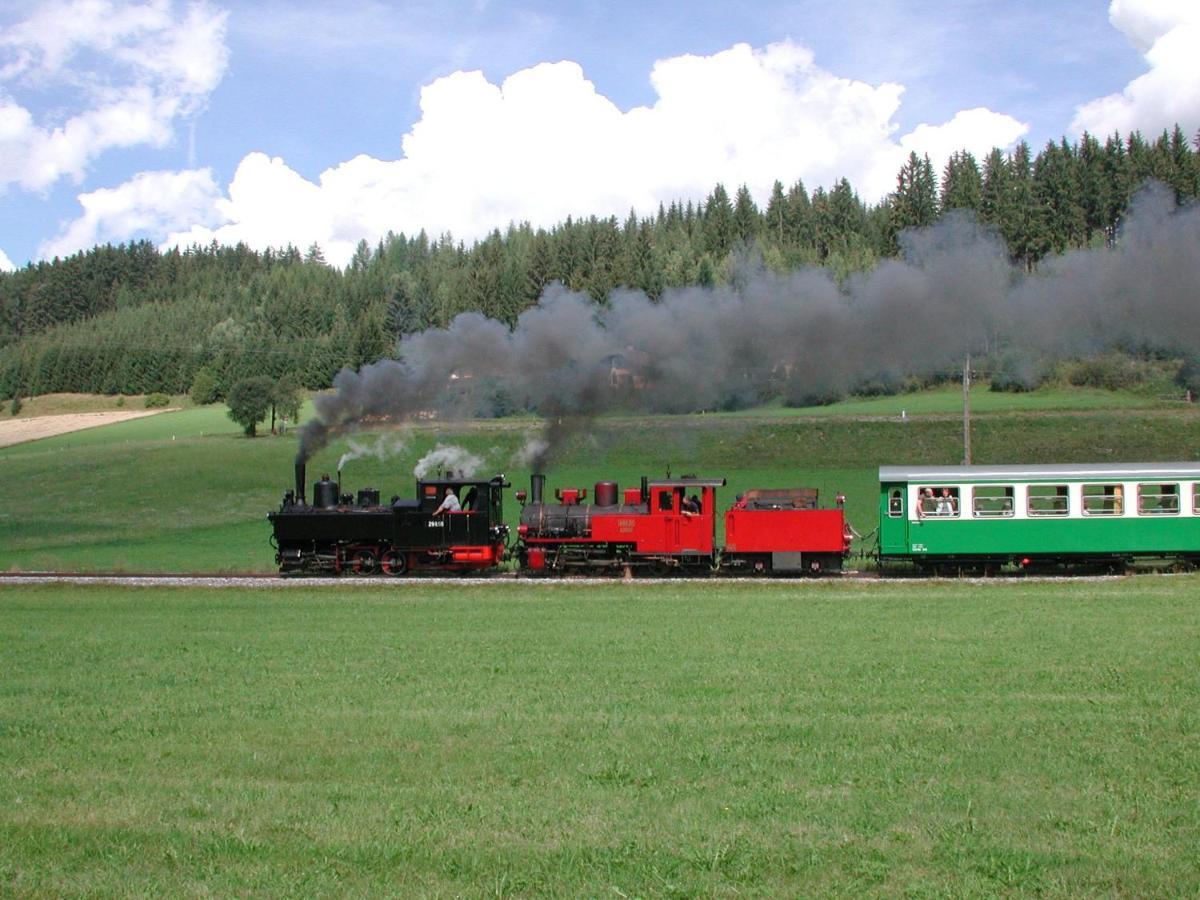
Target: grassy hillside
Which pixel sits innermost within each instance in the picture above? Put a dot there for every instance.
(185, 491)
(816, 739)
(60, 404)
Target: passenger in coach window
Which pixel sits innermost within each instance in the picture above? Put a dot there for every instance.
(947, 504)
(926, 506)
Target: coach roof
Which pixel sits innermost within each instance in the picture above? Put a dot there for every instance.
(1165, 471)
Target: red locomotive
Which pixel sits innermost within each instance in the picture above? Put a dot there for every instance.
(668, 526)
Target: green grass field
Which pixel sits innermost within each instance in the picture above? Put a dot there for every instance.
(829, 738)
(815, 739)
(185, 491)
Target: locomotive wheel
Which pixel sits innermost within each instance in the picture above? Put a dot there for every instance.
(365, 563)
(395, 563)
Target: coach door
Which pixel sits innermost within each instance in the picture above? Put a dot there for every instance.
(893, 520)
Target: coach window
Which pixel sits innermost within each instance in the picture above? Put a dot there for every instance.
(1103, 500)
(1158, 499)
(992, 501)
(1047, 500)
(938, 501)
(896, 503)
(1196, 498)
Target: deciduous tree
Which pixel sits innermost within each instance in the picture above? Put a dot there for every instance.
(249, 402)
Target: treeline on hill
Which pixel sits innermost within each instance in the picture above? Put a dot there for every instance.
(131, 319)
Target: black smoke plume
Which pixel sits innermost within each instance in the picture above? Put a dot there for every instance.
(953, 292)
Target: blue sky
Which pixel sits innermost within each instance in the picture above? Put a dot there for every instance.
(279, 122)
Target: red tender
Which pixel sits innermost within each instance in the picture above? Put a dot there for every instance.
(786, 531)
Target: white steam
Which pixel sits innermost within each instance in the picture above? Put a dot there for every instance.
(533, 449)
(385, 447)
(450, 459)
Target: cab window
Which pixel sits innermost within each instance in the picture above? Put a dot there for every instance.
(1158, 499)
(666, 501)
(1047, 500)
(1103, 500)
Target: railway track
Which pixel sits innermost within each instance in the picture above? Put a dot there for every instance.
(259, 580)
(181, 579)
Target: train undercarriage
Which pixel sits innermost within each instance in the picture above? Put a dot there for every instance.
(366, 560)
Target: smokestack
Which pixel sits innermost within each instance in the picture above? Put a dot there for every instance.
(300, 483)
(536, 484)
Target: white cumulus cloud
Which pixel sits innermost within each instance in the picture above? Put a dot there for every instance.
(975, 130)
(1167, 32)
(6, 264)
(131, 71)
(151, 204)
(544, 145)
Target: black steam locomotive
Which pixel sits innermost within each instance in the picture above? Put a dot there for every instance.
(357, 534)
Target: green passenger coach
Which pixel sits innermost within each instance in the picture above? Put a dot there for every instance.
(981, 517)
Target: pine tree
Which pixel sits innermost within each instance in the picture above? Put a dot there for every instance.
(540, 270)
(314, 255)
(914, 204)
(1185, 177)
(1023, 220)
(746, 219)
(1056, 189)
(1095, 191)
(962, 183)
(1118, 170)
(361, 260)
(776, 214)
(720, 230)
(798, 219)
(847, 213)
(993, 197)
(650, 278)
(822, 225)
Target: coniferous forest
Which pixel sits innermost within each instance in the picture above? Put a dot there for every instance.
(131, 319)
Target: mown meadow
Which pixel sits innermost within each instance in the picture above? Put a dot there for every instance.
(808, 738)
(812, 739)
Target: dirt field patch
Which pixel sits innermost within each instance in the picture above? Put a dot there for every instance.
(18, 431)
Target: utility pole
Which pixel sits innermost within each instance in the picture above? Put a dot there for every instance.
(967, 411)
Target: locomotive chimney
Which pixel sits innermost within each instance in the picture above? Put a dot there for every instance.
(300, 483)
(536, 484)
